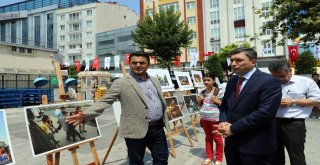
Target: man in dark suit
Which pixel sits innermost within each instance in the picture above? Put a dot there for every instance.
(248, 109)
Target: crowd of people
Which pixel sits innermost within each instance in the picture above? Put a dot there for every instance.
(5, 154)
(259, 115)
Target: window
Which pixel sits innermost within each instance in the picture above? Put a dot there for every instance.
(72, 46)
(62, 38)
(238, 13)
(62, 27)
(37, 31)
(89, 34)
(149, 12)
(25, 31)
(148, 1)
(192, 50)
(216, 47)
(62, 17)
(89, 12)
(74, 16)
(22, 50)
(75, 38)
(215, 34)
(191, 20)
(214, 3)
(89, 45)
(190, 5)
(175, 6)
(50, 30)
(14, 49)
(62, 48)
(214, 17)
(267, 32)
(194, 35)
(13, 32)
(237, 1)
(89, 23)
(75, 27)
(240, 32)
(266, 8)
(3, 31)
(268, 48)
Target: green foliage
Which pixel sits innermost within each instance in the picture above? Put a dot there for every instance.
(73, 72)
(213, 65)
(164, 34)
(292, 19)
(305, 63)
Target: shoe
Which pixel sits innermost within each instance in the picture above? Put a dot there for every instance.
(84, 130)
(206, 162)
(218, 163)
(82, 138)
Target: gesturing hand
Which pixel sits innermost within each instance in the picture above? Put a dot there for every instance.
(76, 119)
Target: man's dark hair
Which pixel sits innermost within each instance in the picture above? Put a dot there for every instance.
(315, 74)
(279, 65)
(140, 53)
(249, 52)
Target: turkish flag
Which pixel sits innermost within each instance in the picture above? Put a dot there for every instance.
(127, 59)
(95, 64)
(178, 60)
(210, 53)
(78, 65)
(293, 52)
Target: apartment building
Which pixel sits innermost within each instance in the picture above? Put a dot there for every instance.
(77, 27)
(217, 23)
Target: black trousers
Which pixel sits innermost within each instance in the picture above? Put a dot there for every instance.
(156, 142)
(291, 134)
(235, 157)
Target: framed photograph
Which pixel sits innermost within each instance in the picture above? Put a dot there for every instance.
(173, 109)
(191, 104)
(164, 78)
(197, 78)
(6, 155)
(48, 131)
(184, 80)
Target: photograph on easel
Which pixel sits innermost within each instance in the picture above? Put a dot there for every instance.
(164, 79)
(184, 80)
(197, 78)
(191, 104)
(173, 109)
(48, 131)
(6, 155)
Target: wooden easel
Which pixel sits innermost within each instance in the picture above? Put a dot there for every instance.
(193, 117)
(73, 149)
(175, 130)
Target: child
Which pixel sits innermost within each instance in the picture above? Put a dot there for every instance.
(209, 114)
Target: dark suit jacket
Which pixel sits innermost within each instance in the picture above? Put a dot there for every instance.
(252, 114)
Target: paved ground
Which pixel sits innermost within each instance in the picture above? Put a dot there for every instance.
(185, 153)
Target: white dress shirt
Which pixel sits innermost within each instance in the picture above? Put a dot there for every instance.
(297, 88)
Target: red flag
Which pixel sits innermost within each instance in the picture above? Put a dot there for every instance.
(293, 52)
(78, 65)
(178, 60)
(210, 53)
(95, 64)
(127, 59)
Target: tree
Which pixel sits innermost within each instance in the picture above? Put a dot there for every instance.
(306, 63)
(292, 19)
(163, 34)
(73, 72)
(213, 65)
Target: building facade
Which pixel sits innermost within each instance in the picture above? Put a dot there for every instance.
(217, 23)
(77, 28)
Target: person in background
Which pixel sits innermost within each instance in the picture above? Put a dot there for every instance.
(315, 77)
(143, 115)
(209, 114)
(78, 110)
(248, 109)
(299, 96)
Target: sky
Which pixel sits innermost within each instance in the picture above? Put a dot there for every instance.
(132, 4)
(3, 131)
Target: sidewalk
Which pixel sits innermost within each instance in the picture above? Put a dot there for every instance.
(118, 156)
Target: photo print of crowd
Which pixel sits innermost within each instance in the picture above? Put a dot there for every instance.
(48, 130)
(6, 156)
